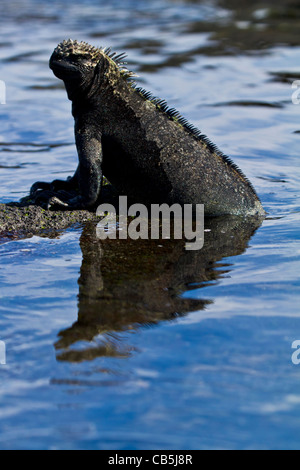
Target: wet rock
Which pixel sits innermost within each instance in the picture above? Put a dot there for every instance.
(20, 219)
(23, 219)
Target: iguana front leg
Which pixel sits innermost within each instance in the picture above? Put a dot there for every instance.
(88, 179)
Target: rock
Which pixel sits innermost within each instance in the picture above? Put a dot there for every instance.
(23, 219)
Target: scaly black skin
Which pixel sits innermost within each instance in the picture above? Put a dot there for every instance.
(147, 151)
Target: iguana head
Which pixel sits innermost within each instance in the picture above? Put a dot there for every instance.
(73, 57)
(75, 62)
(80, 65)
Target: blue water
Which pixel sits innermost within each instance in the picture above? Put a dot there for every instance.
(133, 372)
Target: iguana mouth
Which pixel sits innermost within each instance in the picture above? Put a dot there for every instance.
(58, 65)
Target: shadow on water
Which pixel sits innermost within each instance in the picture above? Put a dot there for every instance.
(128, 284)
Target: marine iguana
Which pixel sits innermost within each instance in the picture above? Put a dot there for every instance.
(146, 150)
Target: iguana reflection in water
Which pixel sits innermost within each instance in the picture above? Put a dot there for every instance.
(126, 285)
